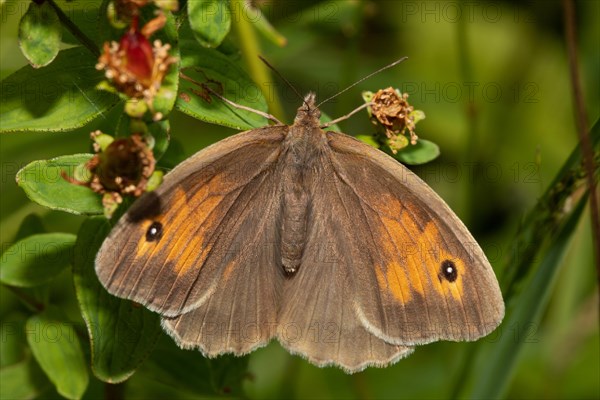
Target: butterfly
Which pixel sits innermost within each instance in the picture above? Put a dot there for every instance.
(307, 236)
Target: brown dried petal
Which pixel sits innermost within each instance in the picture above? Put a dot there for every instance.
(393, 112)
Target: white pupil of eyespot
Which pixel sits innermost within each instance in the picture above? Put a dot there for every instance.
(153, 231)
(449, 270)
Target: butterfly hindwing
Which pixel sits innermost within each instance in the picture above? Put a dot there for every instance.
(318, 319)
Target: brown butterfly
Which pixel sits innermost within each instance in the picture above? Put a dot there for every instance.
(307, 236)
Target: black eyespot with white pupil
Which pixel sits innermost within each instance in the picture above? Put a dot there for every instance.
(449, 271)
(154, 232)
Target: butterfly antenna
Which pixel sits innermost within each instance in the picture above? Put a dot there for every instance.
(363, 79)
(272, 68)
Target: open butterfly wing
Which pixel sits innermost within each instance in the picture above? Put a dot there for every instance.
(318, 319)
(432, 279)
(241, 314)
(171, 250)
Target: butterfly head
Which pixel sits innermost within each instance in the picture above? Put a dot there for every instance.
(308, 111)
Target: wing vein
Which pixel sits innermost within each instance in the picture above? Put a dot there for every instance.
(219, 231)
(370, 230)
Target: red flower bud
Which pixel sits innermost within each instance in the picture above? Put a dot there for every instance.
(138, 55)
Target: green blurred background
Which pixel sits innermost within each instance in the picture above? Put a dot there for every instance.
(492, 78)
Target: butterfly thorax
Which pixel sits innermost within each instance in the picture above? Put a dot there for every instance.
(305, 139)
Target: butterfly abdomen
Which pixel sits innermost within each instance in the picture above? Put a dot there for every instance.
(294, 221)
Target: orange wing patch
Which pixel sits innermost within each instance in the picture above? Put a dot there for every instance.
(415, 260)
(396, 282)
(194, 215)
(434, 258)
(193, 238)
(197, 216)
(402, 273)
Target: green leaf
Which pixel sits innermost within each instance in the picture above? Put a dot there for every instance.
(160, 131)
(40, 34)
(259, 21)
(174, 155)
(31, 225)
(263, 26)
(56, 348)
(326, 118)
(13, 346)
(208, 66)
(37, 259)
(43, 183)
(38, 295)
(420, 153)
(189, 372)
(368, 139)
(84, 15)
(122, 334)
(210, 20)
(23, 380)
(500, 361)
(60, 97)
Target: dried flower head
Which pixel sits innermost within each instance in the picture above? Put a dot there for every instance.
(392, 110)
(123, 167)
(120, 167)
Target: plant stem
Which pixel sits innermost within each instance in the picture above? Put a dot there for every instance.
(361, 386)
(26, 298)
(114, 391)
(466, 71)
(289, 375)
(250, 52)
(582, 128)
(75, 31)
(463, 375)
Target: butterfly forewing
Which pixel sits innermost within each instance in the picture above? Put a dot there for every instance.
(170, 250)
(241, 314)
(433, 281)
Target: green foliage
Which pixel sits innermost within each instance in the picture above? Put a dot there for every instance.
(51, 99)
(554, 228)
(121, 334)
(224, 76)
(64, 335)
(40, 34)
(56, 348)
(422, 152)
(501, 360)
(36, 259)
(44, 183)
(23, 380)
(210, 20)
